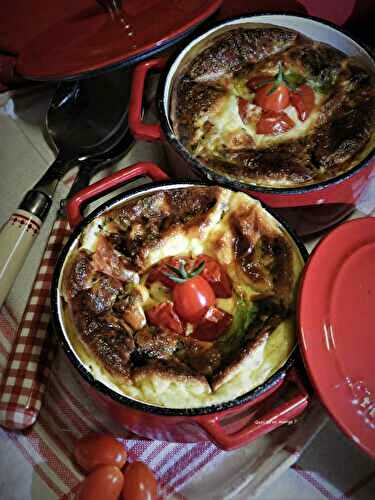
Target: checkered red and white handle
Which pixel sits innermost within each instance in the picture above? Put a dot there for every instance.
(24, 381)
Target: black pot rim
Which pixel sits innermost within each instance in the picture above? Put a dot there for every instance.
(205, 172)
(251, 395)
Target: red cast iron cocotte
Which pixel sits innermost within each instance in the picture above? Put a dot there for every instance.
(229, 425)
(307, 209)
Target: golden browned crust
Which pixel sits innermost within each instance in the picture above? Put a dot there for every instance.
(343, 123)
(235, 49)
(108, 312)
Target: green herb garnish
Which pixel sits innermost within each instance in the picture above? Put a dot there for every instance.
(292, 80)
(180, 275)
(244, 315)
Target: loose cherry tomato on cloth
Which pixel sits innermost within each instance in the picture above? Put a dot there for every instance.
(243, 106)
(271, 97)
(99, 449)
(214, 324)
(165, 316)
(216, 275)
(192, 298)
(139, 483)
(274, 123)
(104, 483)
(303, 99)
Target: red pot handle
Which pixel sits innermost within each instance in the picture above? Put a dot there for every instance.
(255, 429)
(74, 205)
(140, 130)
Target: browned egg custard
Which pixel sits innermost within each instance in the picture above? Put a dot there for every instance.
(268, 106)
(182, 298)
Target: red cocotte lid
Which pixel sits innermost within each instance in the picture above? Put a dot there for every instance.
(94, 35)
(337, 327)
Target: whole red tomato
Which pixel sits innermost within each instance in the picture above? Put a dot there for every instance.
(192, 298)
(99, 449)
(139, 483)
(274, 123)
(104, 482)
(272, 99)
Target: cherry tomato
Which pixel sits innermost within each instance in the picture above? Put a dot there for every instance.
(99, 449)
(215, 323)
(158, 271)
(192, 298)
(275, 100)
(215, 274)
(274, 123)
(105, 482)
(165, 316)
(303, 99)
(243, 105)
(256, 82)
(139, 483)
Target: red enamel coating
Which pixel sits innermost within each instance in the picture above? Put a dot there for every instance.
(336, 318)
(307, 210)
(141, 130)
(268, 422)
(306, 213)
(243, 426)
(109, 183)
(229, 429)
(84, 36)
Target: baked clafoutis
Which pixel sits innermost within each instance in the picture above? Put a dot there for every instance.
(182, 298)
(268, 106)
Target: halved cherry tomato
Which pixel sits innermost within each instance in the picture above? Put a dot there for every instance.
(192, 298)
(104, 482)
(274, 123)
(256, 82)
(139, 483)
(303, 99)
(216, 275)
(158, 272)
(243, 106)
(165, 316)
(99, 449)
(272, 100)
(214, 324)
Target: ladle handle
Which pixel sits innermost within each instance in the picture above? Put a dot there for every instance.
(17, 236)
(140, 130)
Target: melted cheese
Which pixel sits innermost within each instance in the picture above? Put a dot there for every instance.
(228, 121)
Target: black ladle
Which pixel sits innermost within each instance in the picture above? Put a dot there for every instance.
(85, 118)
